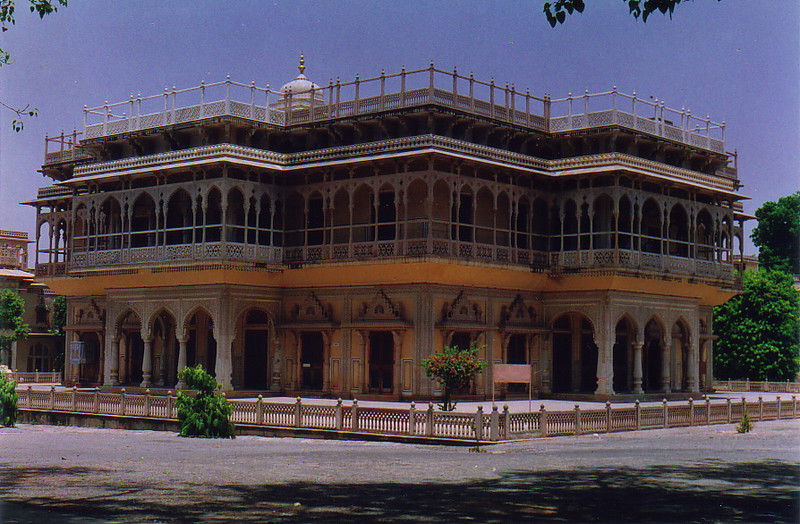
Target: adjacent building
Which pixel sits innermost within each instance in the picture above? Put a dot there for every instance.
(326, 239)
(41, 350)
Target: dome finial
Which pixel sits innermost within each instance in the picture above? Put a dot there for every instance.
(302, 66)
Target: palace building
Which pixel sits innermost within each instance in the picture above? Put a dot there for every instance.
(326, 239)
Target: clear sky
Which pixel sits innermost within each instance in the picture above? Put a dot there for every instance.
(735, 60)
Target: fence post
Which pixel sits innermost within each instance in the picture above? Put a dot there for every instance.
(708, 410)
(478, 424)
(577, 419)
(729, 384)
(354, 416)
(147, 402)
(52, 398)
(122, 401)
(298, 413)
(730, 415)
(30, 397)
(778, 400)
(169, 404)
(744, 406)
(765, 386)
(760, 408)
(794, 406)
(429, 420)
(542, 421)
(665, 412)
(747, 384)
(260, 410)
(412, 418)
(691, 411)
(638, 410)
(608, 416)
(96, 402)
(505, 427)
(338, 415)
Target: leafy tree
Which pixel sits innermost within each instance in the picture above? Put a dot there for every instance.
(8, 401)
(12, 326)
(7, 19)
(454, 368)
(758, 330)
(207, 414)
(557, 11)
(777, 235)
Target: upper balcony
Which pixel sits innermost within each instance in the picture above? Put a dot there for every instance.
(392, 92)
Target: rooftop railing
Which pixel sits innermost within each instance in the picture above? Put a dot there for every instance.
(386, 92)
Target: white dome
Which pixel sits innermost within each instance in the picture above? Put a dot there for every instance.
(300, 85)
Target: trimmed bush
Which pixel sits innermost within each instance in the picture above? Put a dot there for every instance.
(206, 414)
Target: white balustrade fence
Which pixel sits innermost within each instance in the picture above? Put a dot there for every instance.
(757, 385)
(426, 422)
(387, 92)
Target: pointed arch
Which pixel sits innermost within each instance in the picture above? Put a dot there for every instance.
(603, 222)
(651, 231)
(678, 231)
(179, 218)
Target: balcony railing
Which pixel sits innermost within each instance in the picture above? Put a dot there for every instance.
(389, 92)
(572, 261)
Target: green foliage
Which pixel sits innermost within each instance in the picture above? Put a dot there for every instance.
(777, 235)
(758, 331)
(454, 368)
(12, 327)
(8, 401)
(745, 425)
(557, 11)
(59, 315)
(208, 413)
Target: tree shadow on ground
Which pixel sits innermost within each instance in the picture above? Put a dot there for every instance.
(704, 492)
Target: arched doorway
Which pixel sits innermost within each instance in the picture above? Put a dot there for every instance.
(131, 350)
(164, 350)
(201, 347)
(381, 362)
(574, 355)
(652, 356)
(623, 377)
(680, 357)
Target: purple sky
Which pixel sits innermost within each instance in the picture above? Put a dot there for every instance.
(735, 61)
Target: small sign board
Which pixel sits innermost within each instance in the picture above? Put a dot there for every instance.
(515, 373)
(77, 352)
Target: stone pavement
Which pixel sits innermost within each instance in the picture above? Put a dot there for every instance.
(697, 474)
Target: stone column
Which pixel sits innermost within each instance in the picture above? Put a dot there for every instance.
(546, 359)
(605, 367)
(182, 356)
(114, 367)
(637, 368)
(224, 367)
(147, 363)
(666, 362)
(694, 367)
(710, 365)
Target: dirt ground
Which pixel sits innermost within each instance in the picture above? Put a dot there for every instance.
(699, 474)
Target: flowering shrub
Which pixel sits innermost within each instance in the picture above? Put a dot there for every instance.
(454, 368)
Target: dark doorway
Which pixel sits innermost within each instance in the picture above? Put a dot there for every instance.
(311, 361)
(517, 354)
(381, 362)
(562, 363)
(255, 359)
(135, 347)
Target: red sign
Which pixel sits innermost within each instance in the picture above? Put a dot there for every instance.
(516, 373)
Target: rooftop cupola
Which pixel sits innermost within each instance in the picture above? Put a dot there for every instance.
(300, 89)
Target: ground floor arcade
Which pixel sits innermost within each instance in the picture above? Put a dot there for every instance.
(358, 341)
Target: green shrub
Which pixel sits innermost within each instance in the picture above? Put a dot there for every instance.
(745, 425)
(208, 413)
(8, 401)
